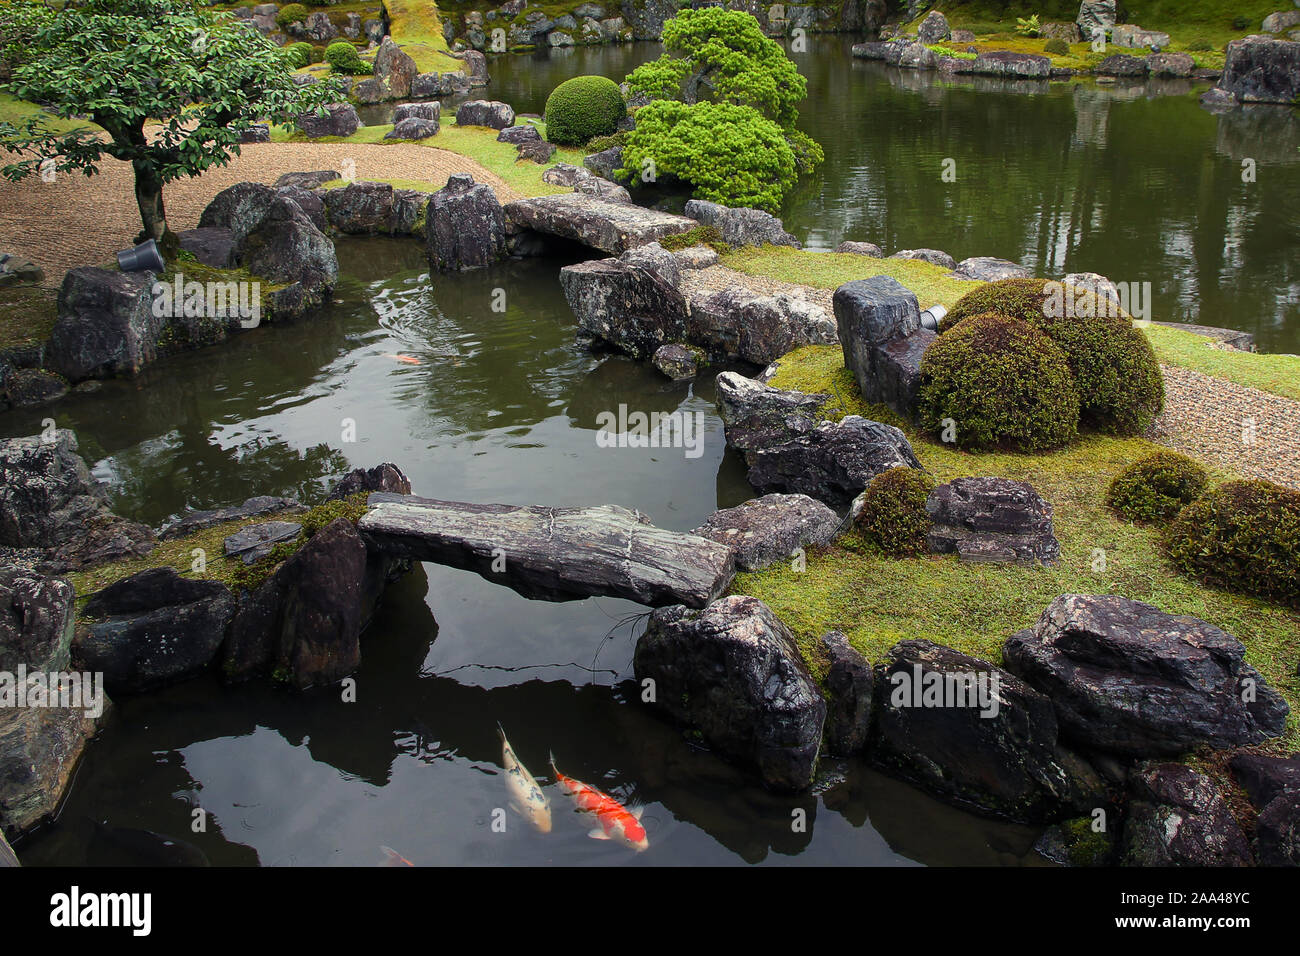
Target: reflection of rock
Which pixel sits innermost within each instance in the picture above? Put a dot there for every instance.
(1260, 132)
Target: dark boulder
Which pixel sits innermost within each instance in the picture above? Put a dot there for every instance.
(36, 617)
(1264, 778)
(833, 462)
(975, 734)
(241, 208)
(47, 494)
(733, 672)
(288, 249)
(1012, 65)
(992, 520)
(253, 542)
(394, 70)
(519, 134)
(465, 226)
(757, 416)
(1121, 64)
(771, 528)
(490, 113)
(1259, 69)
(625, 305)
(310, 202)
(878, 323)
(741, 226)
(370, 208)
(308, 180)
(1128, 678)
(385, 477)
(869, 249)
(936, 257)
(106, 324)
(988, 269)
(252, 507)
(605, 162)
(850, 684)
(338, 119)
(934, 28)
(679, 362)
(1178, 817)
(736, 323)
(1277, 831)
(413, 128)
(538, 151)
(213, 246)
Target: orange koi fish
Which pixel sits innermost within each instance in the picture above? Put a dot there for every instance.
(393, 858)
(407, 359)
(616, 821)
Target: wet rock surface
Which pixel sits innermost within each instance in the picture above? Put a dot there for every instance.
(465, 225)
(1178, 817)
(625, 304)
(850, 688)
(251, 507)
(757, 416)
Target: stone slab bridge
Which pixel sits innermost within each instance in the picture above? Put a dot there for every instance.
(610, 227)
(553, 554)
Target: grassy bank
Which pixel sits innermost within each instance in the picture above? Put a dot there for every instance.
(878, 601)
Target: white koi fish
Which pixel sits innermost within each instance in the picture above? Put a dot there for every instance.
(526, 797)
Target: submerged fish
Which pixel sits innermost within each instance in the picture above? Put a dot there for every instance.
(526, 796)
(127, 846)
(393, 858)
(408, 359)
(617, 822)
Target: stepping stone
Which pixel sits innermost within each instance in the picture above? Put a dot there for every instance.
(255, 542)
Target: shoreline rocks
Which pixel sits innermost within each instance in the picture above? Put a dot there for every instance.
(770, 528)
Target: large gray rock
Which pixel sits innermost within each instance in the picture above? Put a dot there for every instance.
(757, 416)
(988, 269)
(741, 226)
(771, 528)
(36, 619)
(934, 28)
(553, 553)
(1170, 64)
(213, 246)
(491, 113)
(413, 128)
(1259, 69)
(338, 119)
(1133, 37)
(465, 226)
(1097, 17)
(680, 363)
(253, 542)
(936, 257)
(1178, 817)
(975, 734)
(611, 227)
(153, 629)
(869, 249)
(833, 462)
(386, 477)
(1121, 64)
(734, 673)
(625, 305)
(595, 186)
(850, 691)
(992, 521)
(288, 249)
(736, 323)
(427, 85)
(878, 322)
(242, 207)
(605, 162)
(1265, 778)
(369, 208)
(394, 70)
(1012, 65)
(106, 324)
(425, 111)
(1128, 678)
(47, 495)
(519, 134)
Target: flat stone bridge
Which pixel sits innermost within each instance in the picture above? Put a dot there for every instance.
(611, 227)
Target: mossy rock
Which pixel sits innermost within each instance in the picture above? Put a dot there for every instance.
(1157, 487)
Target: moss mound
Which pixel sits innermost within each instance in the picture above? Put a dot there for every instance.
(1120, 387)
(1002, 383)
(1243, 535)
(291, 13)
(342, 57)
(893, 516)
(1157, 487)
(583, 107)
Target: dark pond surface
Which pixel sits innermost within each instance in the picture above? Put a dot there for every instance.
(502, 407)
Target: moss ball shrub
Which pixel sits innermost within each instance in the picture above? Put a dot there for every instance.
(1121, 390)
(1057, 47)
(893, 515)
(1157, 487)
(1003, 383)
(291, 13)
(583, 107)
(343, 58)
(301, 54)
(1244, 536)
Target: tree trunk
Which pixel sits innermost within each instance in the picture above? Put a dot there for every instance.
(148, 196)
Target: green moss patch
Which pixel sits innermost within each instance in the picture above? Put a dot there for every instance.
(27, 315)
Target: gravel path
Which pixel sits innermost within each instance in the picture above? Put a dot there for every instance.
(79, 220)
(1205, 417)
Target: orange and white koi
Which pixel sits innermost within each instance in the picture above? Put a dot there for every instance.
(617, 822)
(526, 797)
(406, 359)
(393, 858)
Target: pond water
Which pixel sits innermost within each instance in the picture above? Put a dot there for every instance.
(502, 407)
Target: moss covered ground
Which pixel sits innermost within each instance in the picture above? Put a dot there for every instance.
(877, 601)
(27, 315)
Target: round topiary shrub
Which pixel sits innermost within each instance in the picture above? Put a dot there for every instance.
(1057, 47)
(301, 54)
(1243, 535)
(1157, 487)
(291, 13)
(583, 107)
(1002, 383)
(342, 57)
(1116, 373)
(893, 515)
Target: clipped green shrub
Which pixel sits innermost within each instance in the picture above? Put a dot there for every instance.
(301, 54)
(342, 57)
(1057, 47)
(893, 516)
(291, 13)
(729, 154)
(1242, 535)
(1118, 378)
(1157, 487)
(1002, 382)
(583, 107)
(599, 144)
(1241, 23)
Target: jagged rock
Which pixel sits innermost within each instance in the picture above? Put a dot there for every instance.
(553, 553)
(478, 68)
(538, 151)
(1069, 32)
(394, 70)
(1013, 65)
(611, 227)
(1259, 69)
(757, 416)
(1277, 831)
(106, 325)
(771, 528)
(339, 119)
(861, 249)
(988, 269)
(915, 56)
(241, 208)
(491, 113)
(1128, 678)
(878, 323)
(850, 684)
(288, 249)
(1170, 64)
(736, 323)
(605, 162)
(1265, 778)
(833, 462)
(1281, 21)
(153, 629)
(252, 507)
(253, 542)
(1178, 817)
(678, 362)
(625, 305)
(424, 111)
(36, 618)
(741, 226)
(465, 225)
(385, 477)
(935, 257)
(975, 734)
(518, 134)
(310, 202)
(1133, 37)
(318, 27)
(934, 28)
(734, 673)
(602, 189)
(1121, 64)
(413, 128)
(1097, 18)
(992, 520)
(565, 174)
(369, 208)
